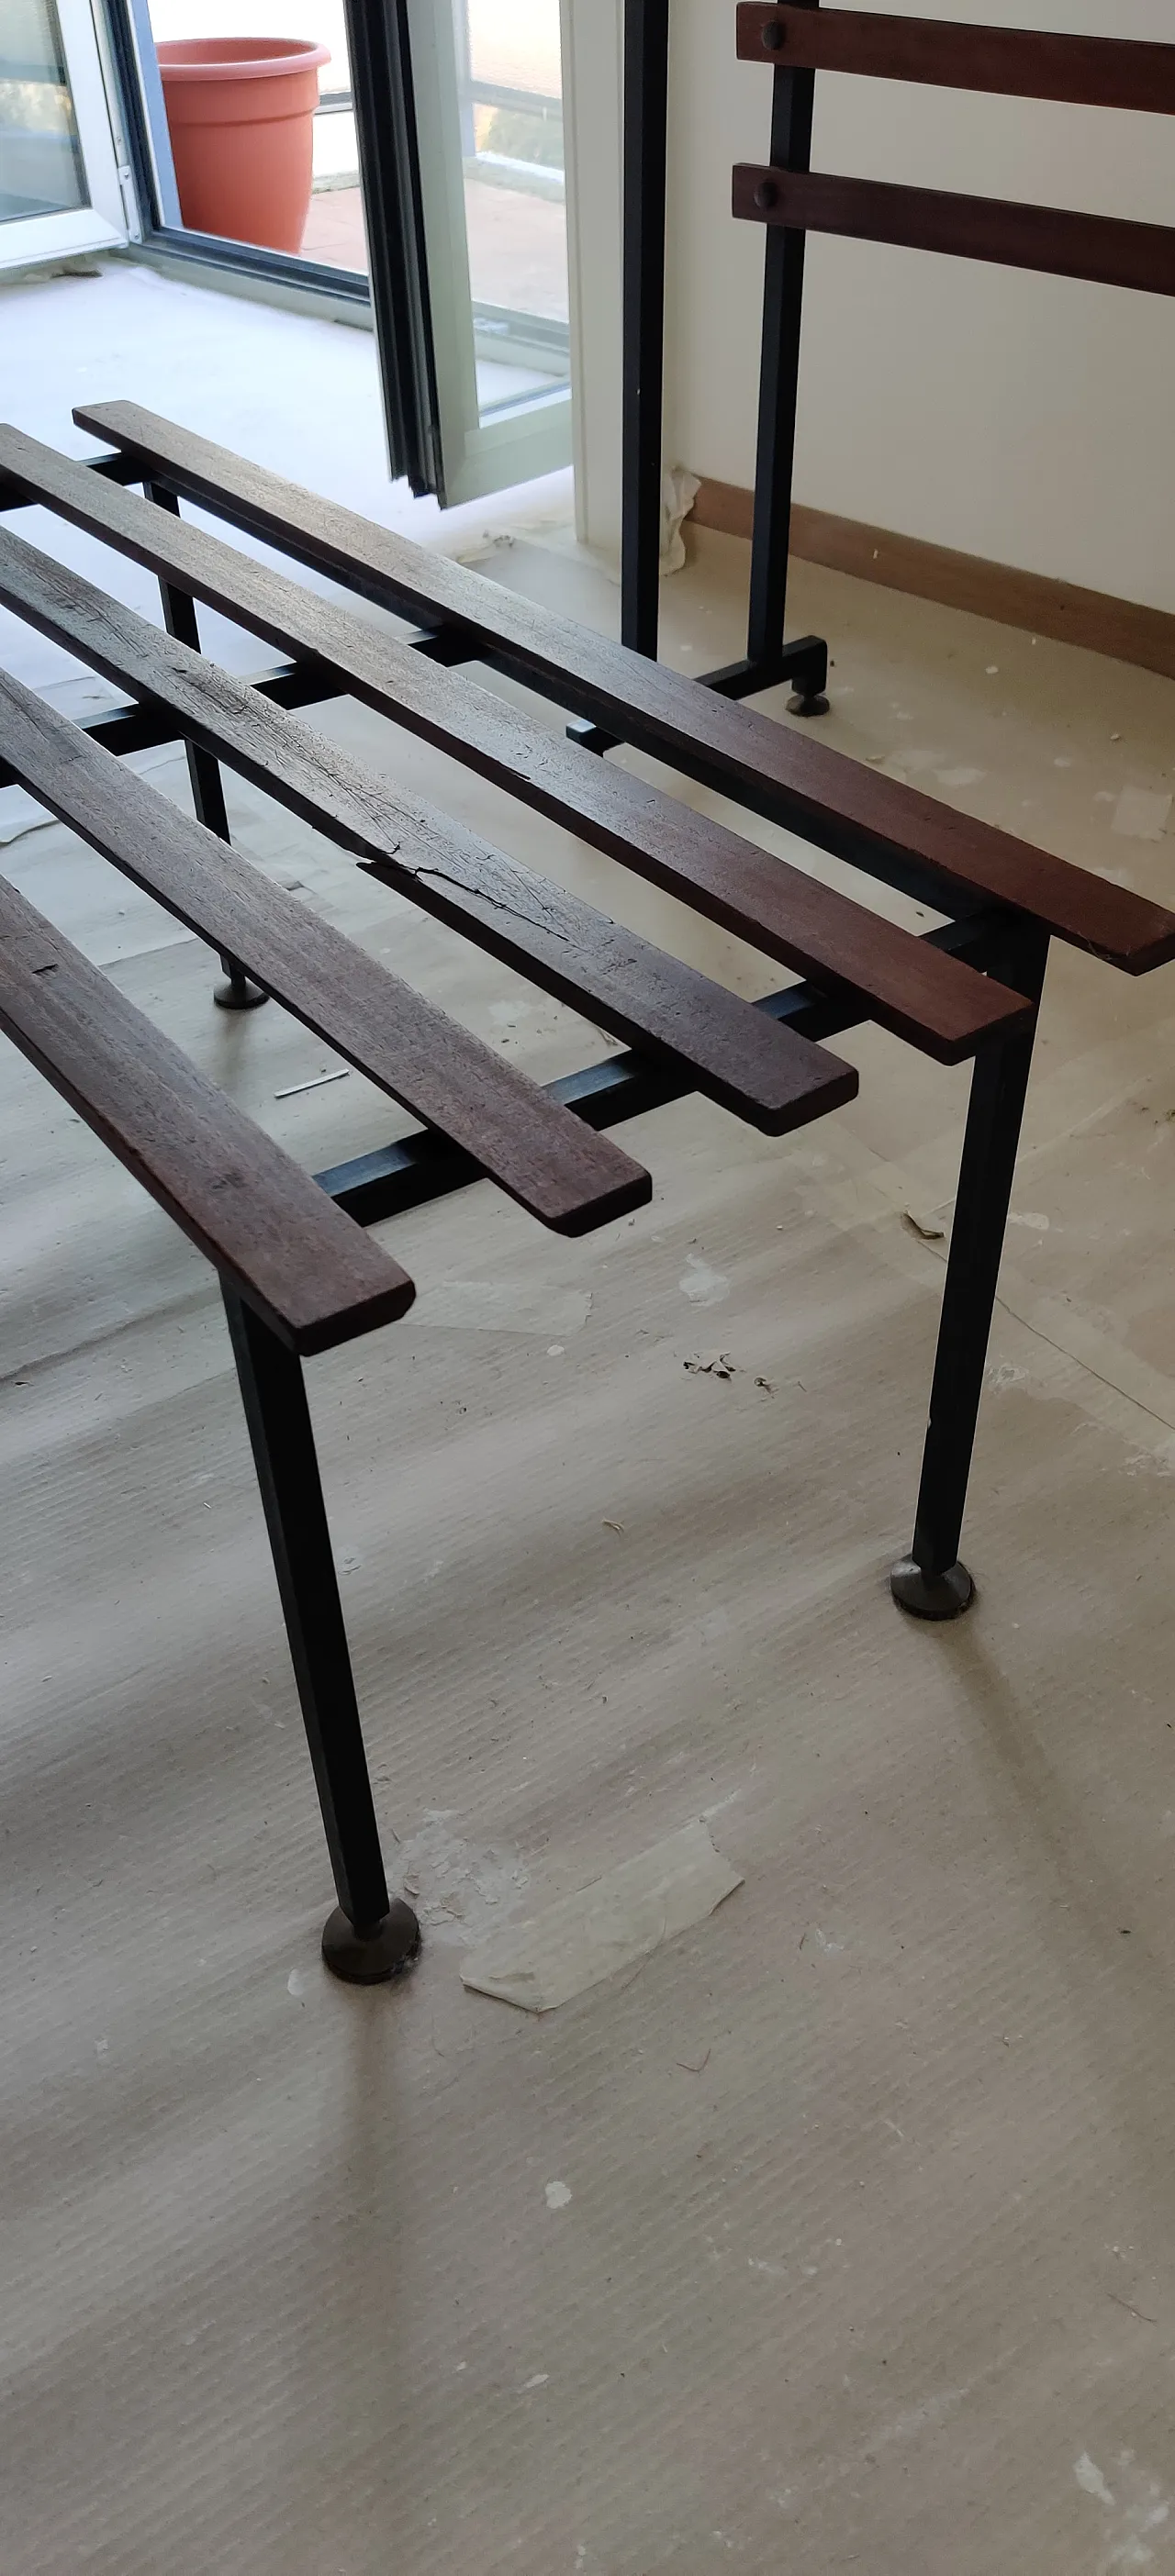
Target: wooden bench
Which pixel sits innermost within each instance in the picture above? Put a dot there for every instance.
(296, 1271)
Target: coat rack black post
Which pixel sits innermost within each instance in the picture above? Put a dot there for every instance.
(768, 659)
(646, 111)
(792, 101)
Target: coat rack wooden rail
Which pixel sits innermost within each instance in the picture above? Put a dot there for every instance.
(801, 40)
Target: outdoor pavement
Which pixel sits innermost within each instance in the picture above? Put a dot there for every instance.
(517, 244)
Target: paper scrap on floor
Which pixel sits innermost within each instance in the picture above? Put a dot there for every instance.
(612, 1924)
(1141, 815)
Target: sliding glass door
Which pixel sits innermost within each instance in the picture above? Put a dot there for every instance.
(60, 189)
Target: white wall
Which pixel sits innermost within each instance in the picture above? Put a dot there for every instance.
(1027, 419)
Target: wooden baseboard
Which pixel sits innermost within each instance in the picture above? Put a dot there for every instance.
(724, 506)
(1090, 618)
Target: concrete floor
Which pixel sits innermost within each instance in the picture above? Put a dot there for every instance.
(863, 2251)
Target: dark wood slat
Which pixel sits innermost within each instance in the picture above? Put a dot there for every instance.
(834, 802)
(1100, 248)
(1011, 62)
(120, 468)
(138, 728)
(933, 1001)
(771, 1077)
(308, 1269)
(423, 1059)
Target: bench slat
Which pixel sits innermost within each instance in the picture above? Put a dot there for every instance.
(829, 799)
(536, 1150)
(936, 1002)
(1012, 62)
(767, 1074)
(310, 1271)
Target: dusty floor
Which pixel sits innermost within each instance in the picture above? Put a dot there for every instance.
(865, 2251)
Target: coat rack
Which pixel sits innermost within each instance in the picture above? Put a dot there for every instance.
(796, 41)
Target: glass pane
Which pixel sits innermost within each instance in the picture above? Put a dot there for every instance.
(509, 77)
(323, 220)
(41, 167)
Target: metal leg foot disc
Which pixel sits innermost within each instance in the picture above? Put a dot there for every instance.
(245, 996)
(932, 1596)
(371, 1957)
(799, 706)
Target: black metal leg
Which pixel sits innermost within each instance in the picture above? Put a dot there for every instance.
(646, 77)
(783, 294)
(932, 1581)
(238, 992)
(368, 1938)
(810, 697)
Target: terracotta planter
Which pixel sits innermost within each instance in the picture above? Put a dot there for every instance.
(240, 112)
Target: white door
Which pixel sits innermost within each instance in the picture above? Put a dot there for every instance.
(59, 177)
